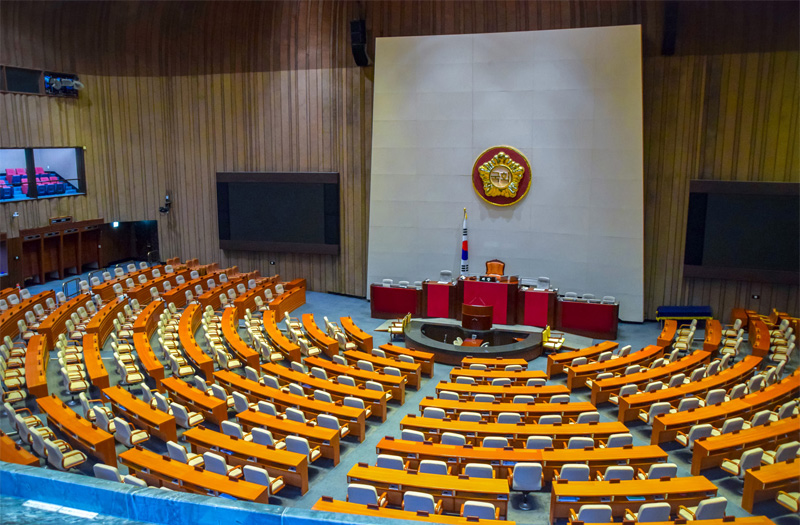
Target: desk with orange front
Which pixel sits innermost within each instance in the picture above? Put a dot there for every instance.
(56, 322)
(256, 392)
(95, 367)
(712, 451)
(189, 322)
(161, 471)
(230, 331)
(486, 376)
(142, 415)
(327, 439)
(320, 339)
(530, 412)
(212, 408)
(147, 320)
(396, 385)
(11, 452)
(141, 292)
(666, 426)
(143, 329)
(79, 432)
(629, 406)
(758, 337)
(106, 289)
(604, 388)
(9, 318)
(503, 393)
(410, 370)
(425, 359)
(102, 323)
(577, 375)
(362, 339)
(713, 336)
(293, 298)
(177, 295)
(211, 296)
(496, 363)
(452, 490)
(248, 300)
(667, 334)
(338, 391)
(517, 434)
(764, 482)
(328, 504)
(557, 362)
(291, 465)
(278, 340)
(621, 495)
(502, 460)
(36, 359)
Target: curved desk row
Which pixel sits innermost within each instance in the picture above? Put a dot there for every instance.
(486, 376)
(362, 339)
(411, 370)
(143, 329)
(577, 375)
(79, 432)
(141, 292)
(318, 337)
(277, 339)
(95, 368)
(102, 323)
(328, 504)
(557, 362)
(56, 323)
(37, 357)
(190, 320)
(12, 452)
(230, 332)
(9, 318)
(529, 411)
(142, 415)
(505, 393)
(106, 289)
(396, 385)
(425, 359)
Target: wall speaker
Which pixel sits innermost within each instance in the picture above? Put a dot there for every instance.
(358, 42)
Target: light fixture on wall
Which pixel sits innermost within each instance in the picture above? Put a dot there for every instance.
(115, 224)
(167, 204)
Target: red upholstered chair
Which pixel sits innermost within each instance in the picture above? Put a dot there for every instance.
(21, 171)
(39, 171)
(495, 268)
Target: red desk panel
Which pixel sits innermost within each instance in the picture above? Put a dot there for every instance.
(537, 308)
(439, 299)
(485, 293)
(588, 319)
(392, 302)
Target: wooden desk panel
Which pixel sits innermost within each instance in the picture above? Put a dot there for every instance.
(161, 471)
(764, 482)
(595, 320)
(319, 338)
(497, 363)
(529, 411)
(278, 340)
(11, 452)
(396, 385)
(291, 299)
(56, 322)
(667, 334)
(713, 336)
(37, 357)
(141, 292)
(617, 494)
(326, 504)
(338, 391)
(557, 362)
(147, 321)
(106, 289)
(425, 359)
(95, 367)
(362, 339)
(213, 409)
(153, 367)
(102, 323)
(256, 392)
(130, 408)
(327, 439)
(452, 490)
(188, 325)
(629, 406)
(211, 297)
(393, 302)
(486, 376)
(291, 465)
(710, 452)
(758, 337)
(230, 325)
(79, 432)
(503, 393)
(248, 300)
(9, 318)
(577, 375)
(411, 371)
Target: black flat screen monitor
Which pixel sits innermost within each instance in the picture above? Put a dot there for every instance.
(279, 212)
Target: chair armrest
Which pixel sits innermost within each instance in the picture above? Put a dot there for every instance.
(682, 507)
(599, 476)
(438, 507)
(382, 498)
(573, 516)
(642, 472)
(24, 409)
(601, 443)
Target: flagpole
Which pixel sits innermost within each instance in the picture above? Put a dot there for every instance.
(464, 247)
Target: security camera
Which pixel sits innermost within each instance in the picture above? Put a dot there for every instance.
(167, 205)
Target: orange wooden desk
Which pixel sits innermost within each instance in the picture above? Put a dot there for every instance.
(411, 370)
(338, 391)
(666, 426)
(102, 323)
(503, 393)
(629, 406)
(37, 358)
(256, 392)
(190, 321)
(426, 359)
(177, 295)
(141, 414)
(727, 520)
(328, 504)
(9, 318)
(618, 494)
(667, 334)
(557, 362)
(603, 389)
(211, 297)
(502, 460)
(517, 435)
(397, 385)
(278, 340)
(290, 300)
(106, 289)
(758, 336)
(81, 433)
(154, 368)
(11, 452)
(327, 439)
(529, 411)
(142, 291)
(362, 339)
(161, 471)
(213, 409)
(95, 367)
(147, 321)
(230, 331)
(486, 376)
(710, 452)
(497, 363)
(248, 300)
(764, 482)
(713, 336)
(452, 490)
(577, 375)
(56, 322)
(320, 339)
(291, 465)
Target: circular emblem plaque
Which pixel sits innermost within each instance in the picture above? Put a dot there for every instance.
(501, 175)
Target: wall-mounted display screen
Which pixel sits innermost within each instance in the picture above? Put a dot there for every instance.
(37, 173)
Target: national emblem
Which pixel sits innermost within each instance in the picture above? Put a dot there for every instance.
(501, 176)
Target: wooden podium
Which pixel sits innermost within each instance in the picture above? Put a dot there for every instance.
(475, 317)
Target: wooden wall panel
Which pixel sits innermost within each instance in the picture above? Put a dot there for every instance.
(177, 91)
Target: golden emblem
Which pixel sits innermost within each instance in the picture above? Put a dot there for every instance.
(501, 176)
